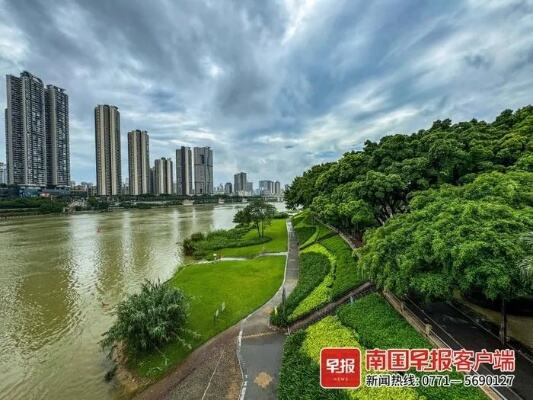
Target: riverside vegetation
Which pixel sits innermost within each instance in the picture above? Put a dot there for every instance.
(442, 211)
(208, 297)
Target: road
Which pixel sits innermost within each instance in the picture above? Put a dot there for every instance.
(459, 331)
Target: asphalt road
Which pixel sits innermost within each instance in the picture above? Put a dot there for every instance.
(460, 331)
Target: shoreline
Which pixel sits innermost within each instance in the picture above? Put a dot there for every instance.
(183, 375)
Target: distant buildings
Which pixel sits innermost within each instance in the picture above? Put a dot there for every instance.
(108, 165)
(138, 162)
(184, 171)
(228, 188)
(163, 176)
(3, 174)
(249, 189)
(269, 188)
(37, 132)
(239, 183)
(277, 188)
(266, 188)
(203, 170)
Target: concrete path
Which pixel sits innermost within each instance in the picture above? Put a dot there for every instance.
(261, 346)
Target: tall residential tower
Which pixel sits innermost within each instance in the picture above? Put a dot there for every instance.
(184, 171)
(203, 170)
(163, 176)
(25, 130)
(108, 165)
(57, 137)
(240, 183)
(138, 162)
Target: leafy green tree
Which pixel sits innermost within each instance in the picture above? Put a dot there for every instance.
(464, 238)
(258, 213)
(526, 264)
(149, 319)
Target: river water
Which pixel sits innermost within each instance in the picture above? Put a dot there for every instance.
(60, 277)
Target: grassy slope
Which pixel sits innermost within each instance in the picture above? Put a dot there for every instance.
(242, 285)
(276, 230)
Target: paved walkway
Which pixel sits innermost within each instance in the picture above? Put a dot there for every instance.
(261, 346)
(458, 331)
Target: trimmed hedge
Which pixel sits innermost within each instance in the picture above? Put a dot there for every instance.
(313, 268)
(378, 325)
(321, 294)
(346, 274)
(299, 375)
(303, 233)
(300, 378)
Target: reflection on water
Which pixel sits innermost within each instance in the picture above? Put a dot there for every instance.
(60, 278)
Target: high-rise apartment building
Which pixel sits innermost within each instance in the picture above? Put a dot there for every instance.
(108, 163)
(277, 188)
(184, 171)
(228, 188)
(249, 189)
(239, 183)
(163, 176)
(25, 130)
(3, 174)
(57, 137)
(138, 162)
(203, 170)
(266, 187)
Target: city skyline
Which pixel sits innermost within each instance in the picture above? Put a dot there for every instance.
(294, 83)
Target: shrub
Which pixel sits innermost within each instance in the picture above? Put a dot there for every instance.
(313, 268)
(346, 273)
(378, 325)
(299, 377)
(149, 319)
(200, 245)
(303, 233)
(281, 215)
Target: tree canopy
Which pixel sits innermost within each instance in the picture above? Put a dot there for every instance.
(440, 210)
(258, 213)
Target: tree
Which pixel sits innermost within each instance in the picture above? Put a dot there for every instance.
(464, 238)
(149, 319)
(526, 264)
(258, 213)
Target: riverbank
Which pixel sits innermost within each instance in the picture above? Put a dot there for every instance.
(62, 277)
(221, 293)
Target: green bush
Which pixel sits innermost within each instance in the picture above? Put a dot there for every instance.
(313, 268)
(299, 377)
(149, 319)
(200, 245)
(303, 233)
(378, 325)
(346, 274)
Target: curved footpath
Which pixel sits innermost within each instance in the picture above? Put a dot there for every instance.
(261, 346)
(212, 371)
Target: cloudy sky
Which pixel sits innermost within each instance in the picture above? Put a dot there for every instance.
(272, 86)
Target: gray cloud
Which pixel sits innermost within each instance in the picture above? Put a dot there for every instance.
(275, 86)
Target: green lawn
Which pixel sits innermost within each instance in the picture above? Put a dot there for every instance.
(277, 231)
(242, 285)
